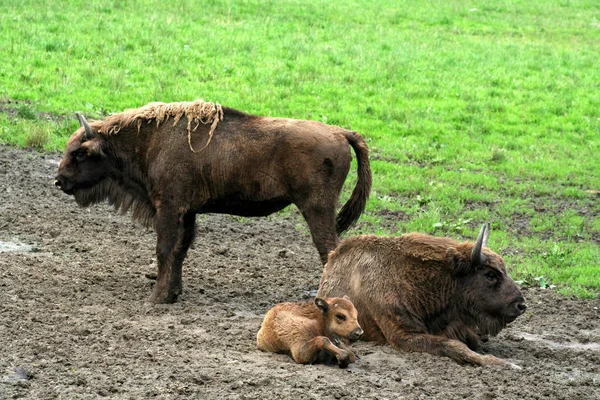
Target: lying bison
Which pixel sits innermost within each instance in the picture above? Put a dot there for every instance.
(168, 162)
(319, 331)
(424, 293)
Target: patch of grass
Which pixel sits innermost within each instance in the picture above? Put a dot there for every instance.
(26, 112)
(37, 138)
(572, 267)
(46, 134)
(472, 113)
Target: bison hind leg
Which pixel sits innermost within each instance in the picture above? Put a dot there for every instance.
(320, 217)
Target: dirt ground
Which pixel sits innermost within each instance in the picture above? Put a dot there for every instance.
(74, 322)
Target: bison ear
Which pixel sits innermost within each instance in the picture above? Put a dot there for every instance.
(322, 304)
(346, 298)
(461, 265)
(89, 133)
(477, 256)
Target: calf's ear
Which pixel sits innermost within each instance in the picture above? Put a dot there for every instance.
(322, 304)
(346, 298)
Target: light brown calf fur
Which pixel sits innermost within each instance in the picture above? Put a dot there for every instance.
(312, 332)
(423, 293)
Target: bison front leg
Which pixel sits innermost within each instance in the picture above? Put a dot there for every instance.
(460, 352)
(308, 352)
(437, 345)
(175, 233)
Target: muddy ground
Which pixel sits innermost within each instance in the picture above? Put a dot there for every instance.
(74, 322)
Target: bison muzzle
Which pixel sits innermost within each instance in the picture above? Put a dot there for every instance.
(169, 162)
(427, 294)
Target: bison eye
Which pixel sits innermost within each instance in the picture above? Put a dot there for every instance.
(340, 317)
(80, 156)
(490, 276)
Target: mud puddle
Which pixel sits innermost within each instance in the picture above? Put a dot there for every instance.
(16, 246)
(577, 346)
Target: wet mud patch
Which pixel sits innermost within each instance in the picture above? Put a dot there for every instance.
(15, 246)
(74, 322)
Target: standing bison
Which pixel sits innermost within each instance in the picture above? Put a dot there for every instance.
(424, 293)
(168, 162)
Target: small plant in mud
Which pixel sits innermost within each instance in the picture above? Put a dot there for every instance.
(542, 282)
(455, 226)
(539, 281)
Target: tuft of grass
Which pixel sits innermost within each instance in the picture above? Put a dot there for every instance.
(26, 112)
(498, 155)
(47, 134)
(37, 138)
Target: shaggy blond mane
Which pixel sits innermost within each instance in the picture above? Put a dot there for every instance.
(197, 112)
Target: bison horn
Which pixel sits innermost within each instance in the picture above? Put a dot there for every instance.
(477, 257)
(486, 235)
(89, 133)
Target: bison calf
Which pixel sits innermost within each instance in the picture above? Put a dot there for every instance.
(312, 332)
(424, 293)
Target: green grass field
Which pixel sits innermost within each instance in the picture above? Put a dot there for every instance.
(474, 111)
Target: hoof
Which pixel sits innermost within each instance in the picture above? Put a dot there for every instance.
(491, 361)
(161, 297)
(344, 359)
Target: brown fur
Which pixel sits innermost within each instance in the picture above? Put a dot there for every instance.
(254, 166)
(312, 332)
(423, 293)
(195, 112)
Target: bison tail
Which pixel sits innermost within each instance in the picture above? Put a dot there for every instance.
(354, 207)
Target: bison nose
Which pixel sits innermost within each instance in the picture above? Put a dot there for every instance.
(518, 306)
(356, 334)
(63, 184)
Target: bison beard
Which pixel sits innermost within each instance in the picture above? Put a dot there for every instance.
(426, 294)
(116, 195)
(144, 160)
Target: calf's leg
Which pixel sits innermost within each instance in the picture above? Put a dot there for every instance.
(308, 352)
(175, 233)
